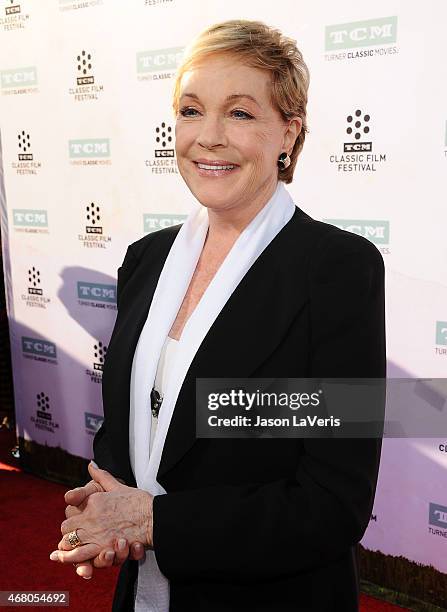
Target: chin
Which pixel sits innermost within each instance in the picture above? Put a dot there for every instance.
(214, 195)
(214, 198)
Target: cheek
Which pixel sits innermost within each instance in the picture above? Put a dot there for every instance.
(184, 138)
(258, 146)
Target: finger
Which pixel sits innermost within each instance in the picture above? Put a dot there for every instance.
(84, 570)
(74, 497)
(72, 524)
(73, 510)
(65, 544)
(77, 495)
(121, 550)
(136, 551)
(104, 478)
(77, 555)
(104, 559)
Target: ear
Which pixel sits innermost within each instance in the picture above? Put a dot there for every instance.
(293, 128)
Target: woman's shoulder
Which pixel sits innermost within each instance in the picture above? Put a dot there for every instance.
(327, 239)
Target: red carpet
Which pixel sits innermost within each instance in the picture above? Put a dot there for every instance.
(31, 511)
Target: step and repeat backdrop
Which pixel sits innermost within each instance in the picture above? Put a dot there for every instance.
(88, 166)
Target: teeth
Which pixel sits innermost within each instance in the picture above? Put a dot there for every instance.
(206, 167)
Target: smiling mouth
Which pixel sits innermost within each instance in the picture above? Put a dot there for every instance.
(215, 167)
(218, 168)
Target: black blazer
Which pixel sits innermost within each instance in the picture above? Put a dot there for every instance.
(258, 524)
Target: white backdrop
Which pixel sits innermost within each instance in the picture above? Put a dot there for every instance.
(85, 94)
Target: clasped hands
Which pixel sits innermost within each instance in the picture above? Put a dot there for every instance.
(112, 521)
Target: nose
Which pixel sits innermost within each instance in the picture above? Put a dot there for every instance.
(212, 132)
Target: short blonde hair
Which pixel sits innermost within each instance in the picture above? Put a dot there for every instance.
(257, 45)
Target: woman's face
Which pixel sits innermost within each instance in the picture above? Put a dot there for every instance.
(228, 135)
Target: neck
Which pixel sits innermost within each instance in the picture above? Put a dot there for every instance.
(226, 225)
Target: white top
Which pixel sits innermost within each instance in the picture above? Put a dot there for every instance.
(164, 367)
(161, 377)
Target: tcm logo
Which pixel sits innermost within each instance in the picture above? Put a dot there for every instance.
(93, 217)
(163, 138)
(376, 231)
(43, 418)
(159, 59)
(41, 348)
(97, 292)
(43, 407)
(12, 10)
(18, 77)
(23, 217)
(155, 222)
(93, 421)
(24, 146)
(358, 126)
(381, 31)
(437, 515)
(34, 282)
(441, 332)
(90, 147)
(84, 67)
(99, 351)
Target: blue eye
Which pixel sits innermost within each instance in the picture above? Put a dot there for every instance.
(242, 114)
(188, 112)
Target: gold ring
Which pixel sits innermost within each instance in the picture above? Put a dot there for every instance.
(73, 539)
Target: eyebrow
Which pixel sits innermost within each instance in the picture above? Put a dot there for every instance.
(230, 98)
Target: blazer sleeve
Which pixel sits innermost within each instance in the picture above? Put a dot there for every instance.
(270, 531)
(101, 445)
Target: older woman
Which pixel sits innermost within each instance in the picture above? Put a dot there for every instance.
(248, 286)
